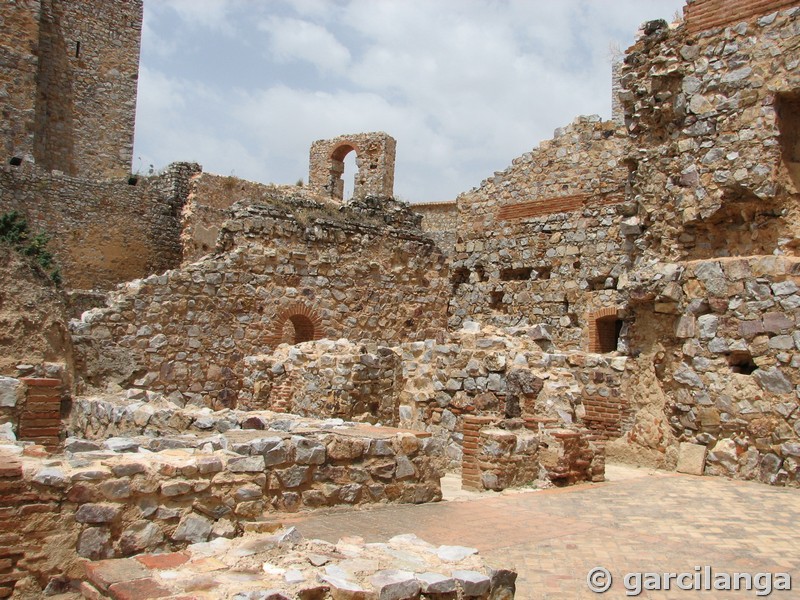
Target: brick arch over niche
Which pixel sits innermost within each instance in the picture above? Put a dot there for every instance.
(295, 324)
(375, 155)
(604, 329)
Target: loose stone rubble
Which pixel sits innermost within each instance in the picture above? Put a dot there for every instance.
(283, 566)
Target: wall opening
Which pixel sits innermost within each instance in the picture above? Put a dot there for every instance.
(459, 277)
(343, 172)
(522, 274)
(788, 109)
(741, 362)
(297, 329)
(608, 330)
(496, 300)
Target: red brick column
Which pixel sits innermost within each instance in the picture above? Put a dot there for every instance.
(11, 489)
(40, 419)
(470, 469)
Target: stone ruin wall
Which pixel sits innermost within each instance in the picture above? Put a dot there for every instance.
(283, 277)
(437, 387)
(375, 156)
(440, 222)
(545, 241)
(102, 232)
(208, 204)
(711, 155)
(103, 499)
(71, 69)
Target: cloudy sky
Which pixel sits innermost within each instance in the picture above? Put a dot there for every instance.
(245, 86)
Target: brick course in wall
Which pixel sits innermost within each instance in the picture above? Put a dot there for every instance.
(702, 15)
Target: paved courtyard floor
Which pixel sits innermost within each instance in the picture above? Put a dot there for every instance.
(639, 521)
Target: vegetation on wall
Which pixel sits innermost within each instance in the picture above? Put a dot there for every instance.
(14, 231)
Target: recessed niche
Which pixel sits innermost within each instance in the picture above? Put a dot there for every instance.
(741, 361)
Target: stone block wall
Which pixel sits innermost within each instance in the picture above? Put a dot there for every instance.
(19, 33)
(102, 232)
(546, 240)
(326, 378)
(440, 222)
(103, 499)
(88, 64)
(728, 361)
(188, 329)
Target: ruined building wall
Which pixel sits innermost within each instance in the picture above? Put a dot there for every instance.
(102, 232)
(283, 277)
(545, 240)
(713, 119)
(702, 15)
(440, 222)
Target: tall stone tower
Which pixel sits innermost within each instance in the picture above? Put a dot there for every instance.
(68, 78)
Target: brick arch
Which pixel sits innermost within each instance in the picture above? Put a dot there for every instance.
(602, 327)
(306, 322)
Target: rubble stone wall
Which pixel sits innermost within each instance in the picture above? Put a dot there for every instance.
(100, 503)
(545, 240)
(435, 386)
(283, 276)
(102, 232)
(88, 64)
(729, 362)
(711, 120)
(702, 15)
(19, 33)
(440, 222)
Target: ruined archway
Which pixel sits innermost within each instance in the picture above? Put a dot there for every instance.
(375, 155)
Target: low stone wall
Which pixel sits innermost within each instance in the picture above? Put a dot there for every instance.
(123, 496)
(284, 566)
(503, 453)
(30, 410)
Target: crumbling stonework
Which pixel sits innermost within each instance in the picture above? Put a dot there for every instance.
(375, 154)
(283, 566)
(440, 222)
(545, 240)
(102, 232)
(189, 329)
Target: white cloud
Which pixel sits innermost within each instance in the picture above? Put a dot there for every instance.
(464, 86)
(296, 39)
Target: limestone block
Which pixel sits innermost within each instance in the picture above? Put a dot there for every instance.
(691, 458)
(10, 392)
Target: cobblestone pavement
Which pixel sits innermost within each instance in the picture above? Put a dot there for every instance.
(661, 522)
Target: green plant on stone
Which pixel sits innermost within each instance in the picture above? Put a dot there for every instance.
(14, 231)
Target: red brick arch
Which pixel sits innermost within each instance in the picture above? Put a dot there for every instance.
(307, 325)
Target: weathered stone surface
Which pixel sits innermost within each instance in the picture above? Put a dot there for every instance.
(691, 459)
(193, 529)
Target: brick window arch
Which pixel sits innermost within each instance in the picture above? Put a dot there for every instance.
(604, 330)
(294, 325)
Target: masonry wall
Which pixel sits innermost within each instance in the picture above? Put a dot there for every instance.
(92, 505)
(281, 276)
(102, 232)
(440, 222)
(19, 34)
(87, 77)
(545, 240)
(702, 15)
(713, 167)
